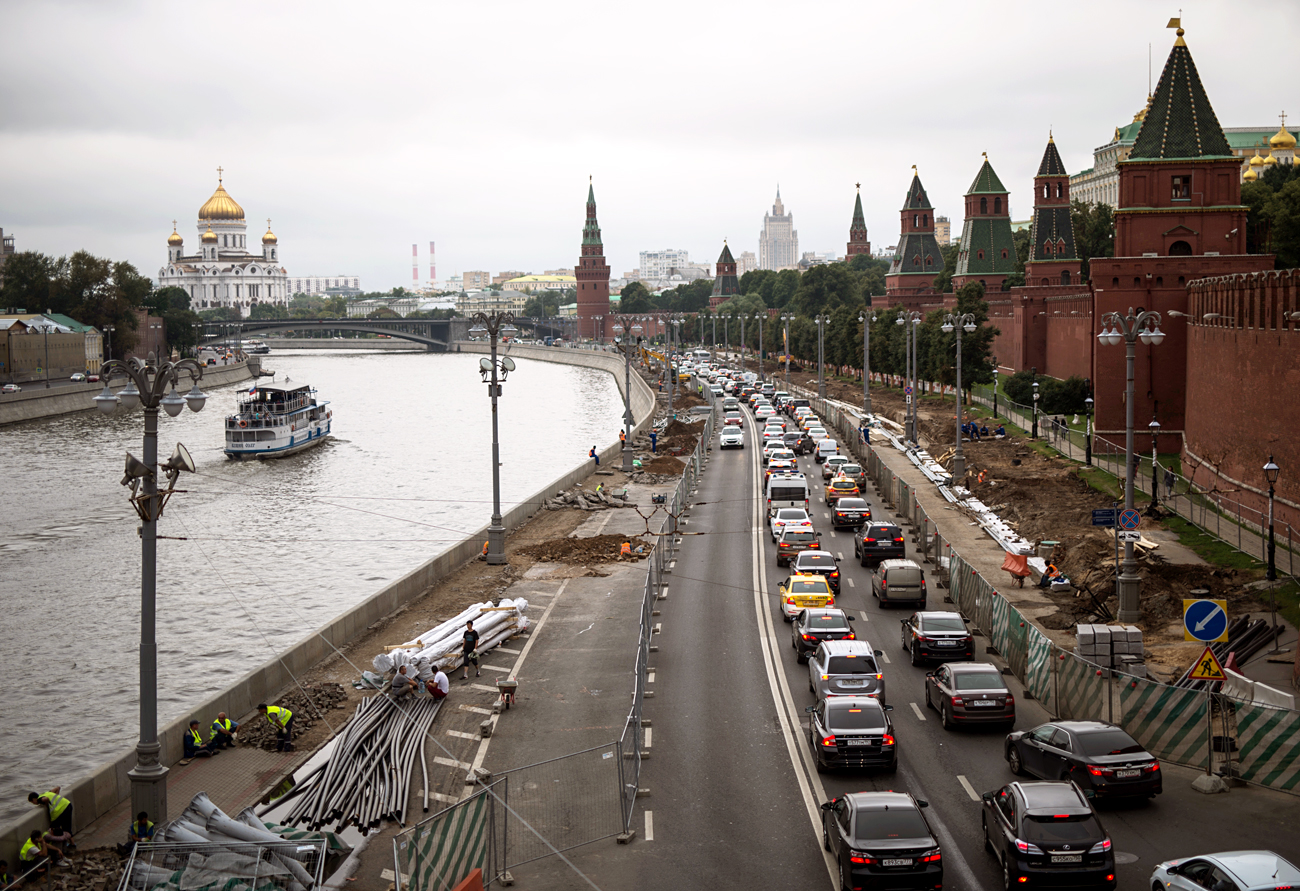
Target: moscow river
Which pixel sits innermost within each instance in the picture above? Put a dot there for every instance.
(275, 549)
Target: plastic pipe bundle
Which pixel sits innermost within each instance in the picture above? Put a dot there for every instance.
(441, 645)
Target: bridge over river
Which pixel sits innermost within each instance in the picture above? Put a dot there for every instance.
(435, 334)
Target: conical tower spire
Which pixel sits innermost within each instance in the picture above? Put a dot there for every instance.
(858, 243)
(918, 258)
(592, 273)
(1180, 122)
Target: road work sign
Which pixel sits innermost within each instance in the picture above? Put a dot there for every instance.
(1207, 668)
(1205, 620)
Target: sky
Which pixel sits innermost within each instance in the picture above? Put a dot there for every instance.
(363, 128)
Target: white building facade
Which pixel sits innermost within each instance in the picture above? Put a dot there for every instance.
(778, 243)
(223, 272)
(320, 284)
(656, 265)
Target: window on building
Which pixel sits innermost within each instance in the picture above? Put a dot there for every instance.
(979, 254)
(925, 219)
(1065, 276)
(984, 205)
(1060, 190)
(997, 205)
(1047, 191)
(1114, 282)
(1180, 249)
(1182, 188)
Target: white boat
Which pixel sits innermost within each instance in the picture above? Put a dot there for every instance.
(273, 422)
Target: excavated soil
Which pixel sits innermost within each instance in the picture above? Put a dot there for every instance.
(665, 464)
(595, 549)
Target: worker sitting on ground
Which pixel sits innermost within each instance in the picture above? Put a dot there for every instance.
(37, 848)
(984, 430)
(1000, 432)
(282, 720)
(195, 747)
(1051, 575)
(402, 684)
(60, 810)
(139, 832)
(222, 735)
(439, 685)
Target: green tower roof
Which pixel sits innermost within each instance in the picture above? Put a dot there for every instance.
(986, 181)
(725, 256)
(1181, 123)
(1052, 164)
(916, 197)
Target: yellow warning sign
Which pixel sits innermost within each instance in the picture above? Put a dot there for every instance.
(1207, 668)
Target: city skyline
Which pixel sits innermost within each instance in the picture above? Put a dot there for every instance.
(357, 161)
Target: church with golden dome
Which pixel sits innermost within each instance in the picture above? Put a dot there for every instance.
(223, 272)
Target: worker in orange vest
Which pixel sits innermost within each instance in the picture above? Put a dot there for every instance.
(625, 550)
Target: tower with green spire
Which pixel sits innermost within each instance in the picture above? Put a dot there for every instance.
(592, 273)
(1053, 257)
(858, 242)
(918, 259)
(987, 252)
(726, 284)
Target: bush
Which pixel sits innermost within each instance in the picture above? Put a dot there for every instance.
(1020, 387)
(1063, 397)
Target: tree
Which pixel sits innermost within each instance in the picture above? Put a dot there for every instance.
(825, 289)
(220, 314)
(871, 273)
(269, 311)
(1094, 231)
(943, 281)
(1020, 238)
(172, 304)
(543, 305)
(1273, 221)
(938, 348)
(635, 299)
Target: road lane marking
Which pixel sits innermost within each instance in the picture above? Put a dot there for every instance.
(460, 734)
(863, 614)
(851, 585)
(506, 650)
(649, 825)
(970, 790)
(495, 667)
(885, 656)
(648, 732)
(839, 554)
(476, 710)
(450, 762)
(650, 677)
(917, 709)
(492, 690)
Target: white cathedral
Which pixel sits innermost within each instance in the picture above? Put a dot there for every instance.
(223, 272)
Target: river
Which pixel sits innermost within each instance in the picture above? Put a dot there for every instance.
(274, 550)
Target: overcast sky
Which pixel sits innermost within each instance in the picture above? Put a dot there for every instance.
(362, 128)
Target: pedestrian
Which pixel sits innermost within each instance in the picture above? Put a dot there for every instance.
(60, 810)
(1169, 482)
(402, 684)
(439, 685)
(223, 732)
(622, 437)
(195, 747)
(592, 454)
(282, 720)
(654, 443)
(469, 649)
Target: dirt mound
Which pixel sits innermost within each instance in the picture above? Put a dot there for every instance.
(678, 428)
(325, 698)
(665, 465)
(595, 549)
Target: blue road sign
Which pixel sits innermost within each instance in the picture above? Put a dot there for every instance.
(1205, 620)
(907, 390)
(1130, 519)
(1104, 517)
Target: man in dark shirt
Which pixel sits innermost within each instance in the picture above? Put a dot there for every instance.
(470, 650)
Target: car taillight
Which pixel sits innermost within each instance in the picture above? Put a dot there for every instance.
(1100, 771)
(835, 574)
(808, 637)
(790, 600)
(1025, 847)
(887, 740)
(826, 677)
(922, 584)
(1100, 847)
(849, 636)
(1011, 700)
(899, 540)
(879, 676)
(884, 583)
(957, 700)
(932, 856)
(868, 541)
(859, 857)
(1153, 766)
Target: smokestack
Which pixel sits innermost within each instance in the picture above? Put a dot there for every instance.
(433, 266)
(415, 263)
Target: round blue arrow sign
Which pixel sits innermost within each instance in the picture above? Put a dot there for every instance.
(1205, 620)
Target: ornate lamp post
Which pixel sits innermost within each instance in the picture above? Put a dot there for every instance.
(108, 351)
(742, 317)
(493, 372)
(1087, 439)
(866, 360)
(821, 348)
(1033, 434)
(959, 323)
(787, 317)
(1144, 326)
(148, 387)
(626, 347)
(762, 376)
(909, 335)
(600, 329)
(1154, 429)
(714, 319)
(995, 388)
(1271, 472)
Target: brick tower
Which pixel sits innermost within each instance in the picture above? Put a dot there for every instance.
(858, 243)
(987, 253)
(592, 273)
(1053, 258)
(918, 258)
(725, 283)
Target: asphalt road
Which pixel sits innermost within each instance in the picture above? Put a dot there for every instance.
(734, 793)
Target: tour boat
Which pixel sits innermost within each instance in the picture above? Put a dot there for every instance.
(273, 422)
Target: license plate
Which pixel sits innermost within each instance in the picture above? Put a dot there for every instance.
(858, 742)
(945, 643)
(983, 702)
(1067, 858)
(895, 861)
(810, 601)
(852, 683)
(1128, 774)
(884, 544)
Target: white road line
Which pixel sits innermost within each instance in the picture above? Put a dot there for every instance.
(970, 790)
(506, 650)
(648, 732)
(885, 657)
(917, 710)
(461, 734)
(650, 677)
(863, 614)
(484, 687)
(601, 529)
(442, 796)
(649, 825)
(851, 585)
(476, 710)
(839, 554)
(495, 668)
(826, 514)
(450, 762)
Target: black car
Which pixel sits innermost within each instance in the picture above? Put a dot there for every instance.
(850, 512)
(812, 626)
(878, 541)
(934, 634)
(792, 404)
(791, 440)
(1104, 760)
(852, 731)
(882, 840)
(1047, 835)
(814, 562)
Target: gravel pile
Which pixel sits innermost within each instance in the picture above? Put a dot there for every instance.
(257, 731)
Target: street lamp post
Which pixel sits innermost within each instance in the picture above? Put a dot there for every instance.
(714, 318)
(787, 317)
(633, 330)
(762, 377)
(995, 388)
(866, 361)
(909, 338)
(958, 323)
(744, 316)
(1144, 326)
(108, 351)
(1087, 439)
(821, 368)
(1154, 429)
(493, 372)
(1271, 472)
(148, 386)
(1033, 433)
(600, 330)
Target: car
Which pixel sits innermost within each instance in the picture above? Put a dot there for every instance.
(805, 446)
(818, 435)
(1047, 835)
(851, 731)
(731, 438)
(878, 541)
(774, 433)
(730, 403)
(11, 388)
(763, 412)
(769, 447)
(899, 581)
(92, 378)
(1240, 870)
(795, 403)
(716, 391)
(851, 513)
(795, 516)
(776, 452)
(969, 693)
(845, 668)
(1100, 757)
(776, 421)
(779, 465)
(937, 634)
(802, 592)
(791, 439)
(853, 472)
(79, 377)
(881, 840)
(794, 541)
(812, 626)
(818, 562)
(840, 487)
(733, 419)
(830, 467)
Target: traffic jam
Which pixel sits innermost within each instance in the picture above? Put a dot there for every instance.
(1041, 825)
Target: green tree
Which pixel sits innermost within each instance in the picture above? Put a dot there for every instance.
(635, 299)
(220, 314)
(1273, 221)
(542, 305)
(826, 288)
(943, 281)
(871, 272)
(1020, 238)
(179, 320)
(270, 311)
(1094, 231)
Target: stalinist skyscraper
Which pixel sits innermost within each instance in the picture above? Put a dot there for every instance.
(778, 244)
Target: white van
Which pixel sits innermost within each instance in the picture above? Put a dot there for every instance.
(825, 449)
(786, 490)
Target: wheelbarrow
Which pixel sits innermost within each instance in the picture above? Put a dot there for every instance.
(659, 499)
(508, 688)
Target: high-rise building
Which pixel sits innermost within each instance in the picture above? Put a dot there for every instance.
(987, 252)
(475, 280)
(662, 264)
(943, 231)
(320, 284)
(858, 241)
(592, 273)
(778, 244)
(6, 249)
(746, 262)
(917, 259)
(1053, 258)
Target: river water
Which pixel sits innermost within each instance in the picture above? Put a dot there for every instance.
(275, 548)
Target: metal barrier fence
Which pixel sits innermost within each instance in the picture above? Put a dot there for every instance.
(435, 854)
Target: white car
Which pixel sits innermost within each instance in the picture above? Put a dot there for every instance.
(79, 378)
(832, 466)
(817, 434)
(789, 516)
(11, 388)
(1240, 870)
(731, 438)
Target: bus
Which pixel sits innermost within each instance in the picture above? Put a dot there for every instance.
(701, 356)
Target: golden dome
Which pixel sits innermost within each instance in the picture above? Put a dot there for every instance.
(1251, 176)
(269, 237)
(175, 240)
(209, 237)
(1270, 161)
(1282, 139)
(221, 206)
(1257, 161)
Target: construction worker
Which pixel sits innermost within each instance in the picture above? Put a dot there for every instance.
(282, 720)
(223, 732)
(60, 812)
(403, 684)
(36, 848)
(625, 550)
(139, 832)
(195, 747)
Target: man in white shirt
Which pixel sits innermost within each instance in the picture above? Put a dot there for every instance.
(439, 685)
